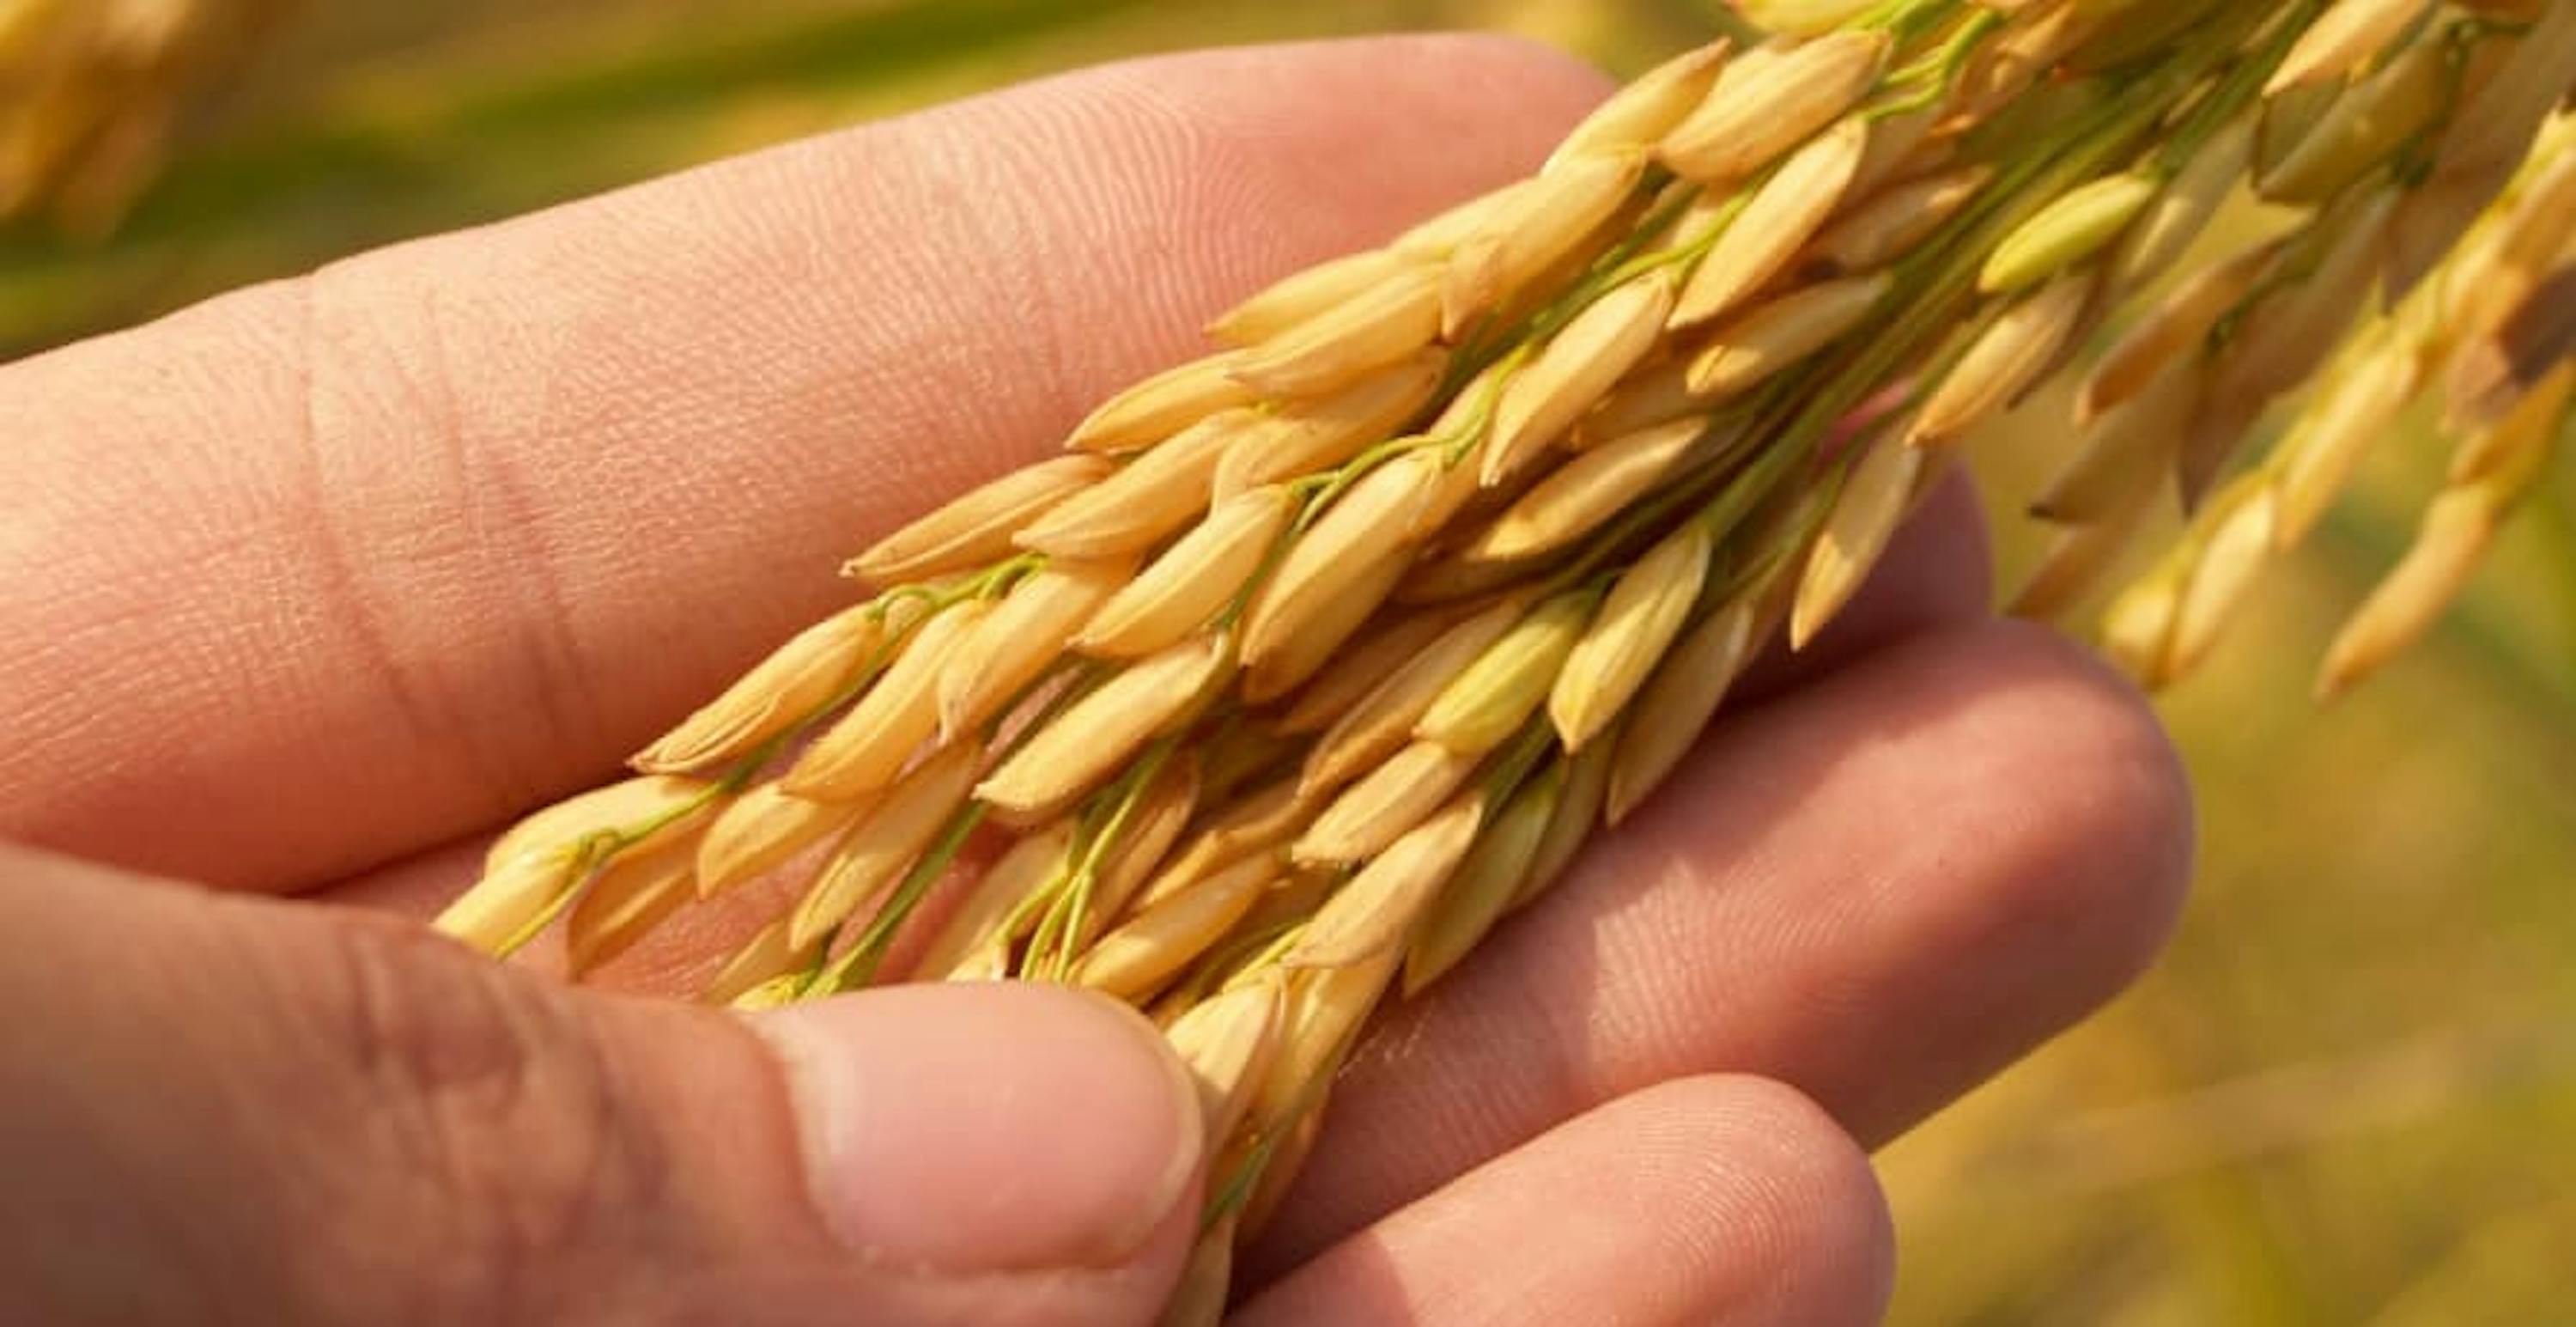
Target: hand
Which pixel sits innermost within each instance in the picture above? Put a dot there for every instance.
(310, 589)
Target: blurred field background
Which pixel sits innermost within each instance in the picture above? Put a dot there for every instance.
(2348, 1094)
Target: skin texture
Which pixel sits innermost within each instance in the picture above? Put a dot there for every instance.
(313, 588)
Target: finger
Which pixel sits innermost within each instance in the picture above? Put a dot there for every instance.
(1726, 1201)
(332, 570)
(394, 1129)
(1879, 890)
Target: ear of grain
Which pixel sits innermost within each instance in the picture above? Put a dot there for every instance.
(2126, 452)
(2184, 209)
(1301, 296)
(1326, 1008)
(977, 529)
(1165, 404)
(2457, 528)
(1386, 803)
(767, 956)
(623, 905)
(626, 803)
(2069, 232)
(2078, 558)
(1371, 521)
(1539, 228)
(977, 926)
(2239, 544)
(761, 830)
(1639, 115)
(1257, 823)
(2020, 349)
(1081, 748)
(1153, 826)
(1134, 961)
(1865, 516)
(1383, 720)
(1638, 622)
(1190, 582)
(1578, 367)
(1379, 326)
(1656, 394)
(1373, 916)
(1149, 499)
(1891, 223)
(884, 844)
(1587, 493)
(2281, 340)
(1786, 211)
(868, 747)
(999, 657)
(1669, 716)
(1577, 813)
(1491, 698)
(2178, 326)
(2342, 40)
(1767, 103)
(2352, 410)
(1491, 876)
(1769, 338)
(778, 692)
(511, 899)
(2366, 127)
(1228, 1042)
(1296, 661)
(1360, 670)
(1308, 437)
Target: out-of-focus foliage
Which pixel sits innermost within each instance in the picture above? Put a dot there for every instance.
(2345, 1096)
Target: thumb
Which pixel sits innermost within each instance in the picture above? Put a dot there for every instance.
(240, 1109)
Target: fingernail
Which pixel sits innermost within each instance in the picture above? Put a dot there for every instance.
(988, 1127)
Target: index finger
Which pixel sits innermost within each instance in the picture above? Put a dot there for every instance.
(320, 573)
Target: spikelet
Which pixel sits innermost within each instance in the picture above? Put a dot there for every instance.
(1309, 436)
(1491, 698)
(1377, 327)
(1149, 498)
(1385, 804)
(1163, 405)
(766, 958)
(878, 849)
(1784, 213)
(979, 527)
(1769, 101)
(2012, 356)
(868, 747)
(1009, 647)
(1865, 516)
(1079, 749)
(1670, 713)
(1373, 917)
(1302, 296)
(1638, 116)
(981, 920)
(1538, 228)
(1576, 369)
(1637, 624)
(1493, 873)
(1383, 720)
(1369, 523)
(1133, 961)
(2342, 40)
(1188, 583)
(779, 692)
(623, 905)
(762, 829)
(1768, 339)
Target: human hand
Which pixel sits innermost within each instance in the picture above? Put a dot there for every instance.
(313, 587)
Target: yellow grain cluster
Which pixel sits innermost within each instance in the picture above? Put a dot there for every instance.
(1316, 657)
